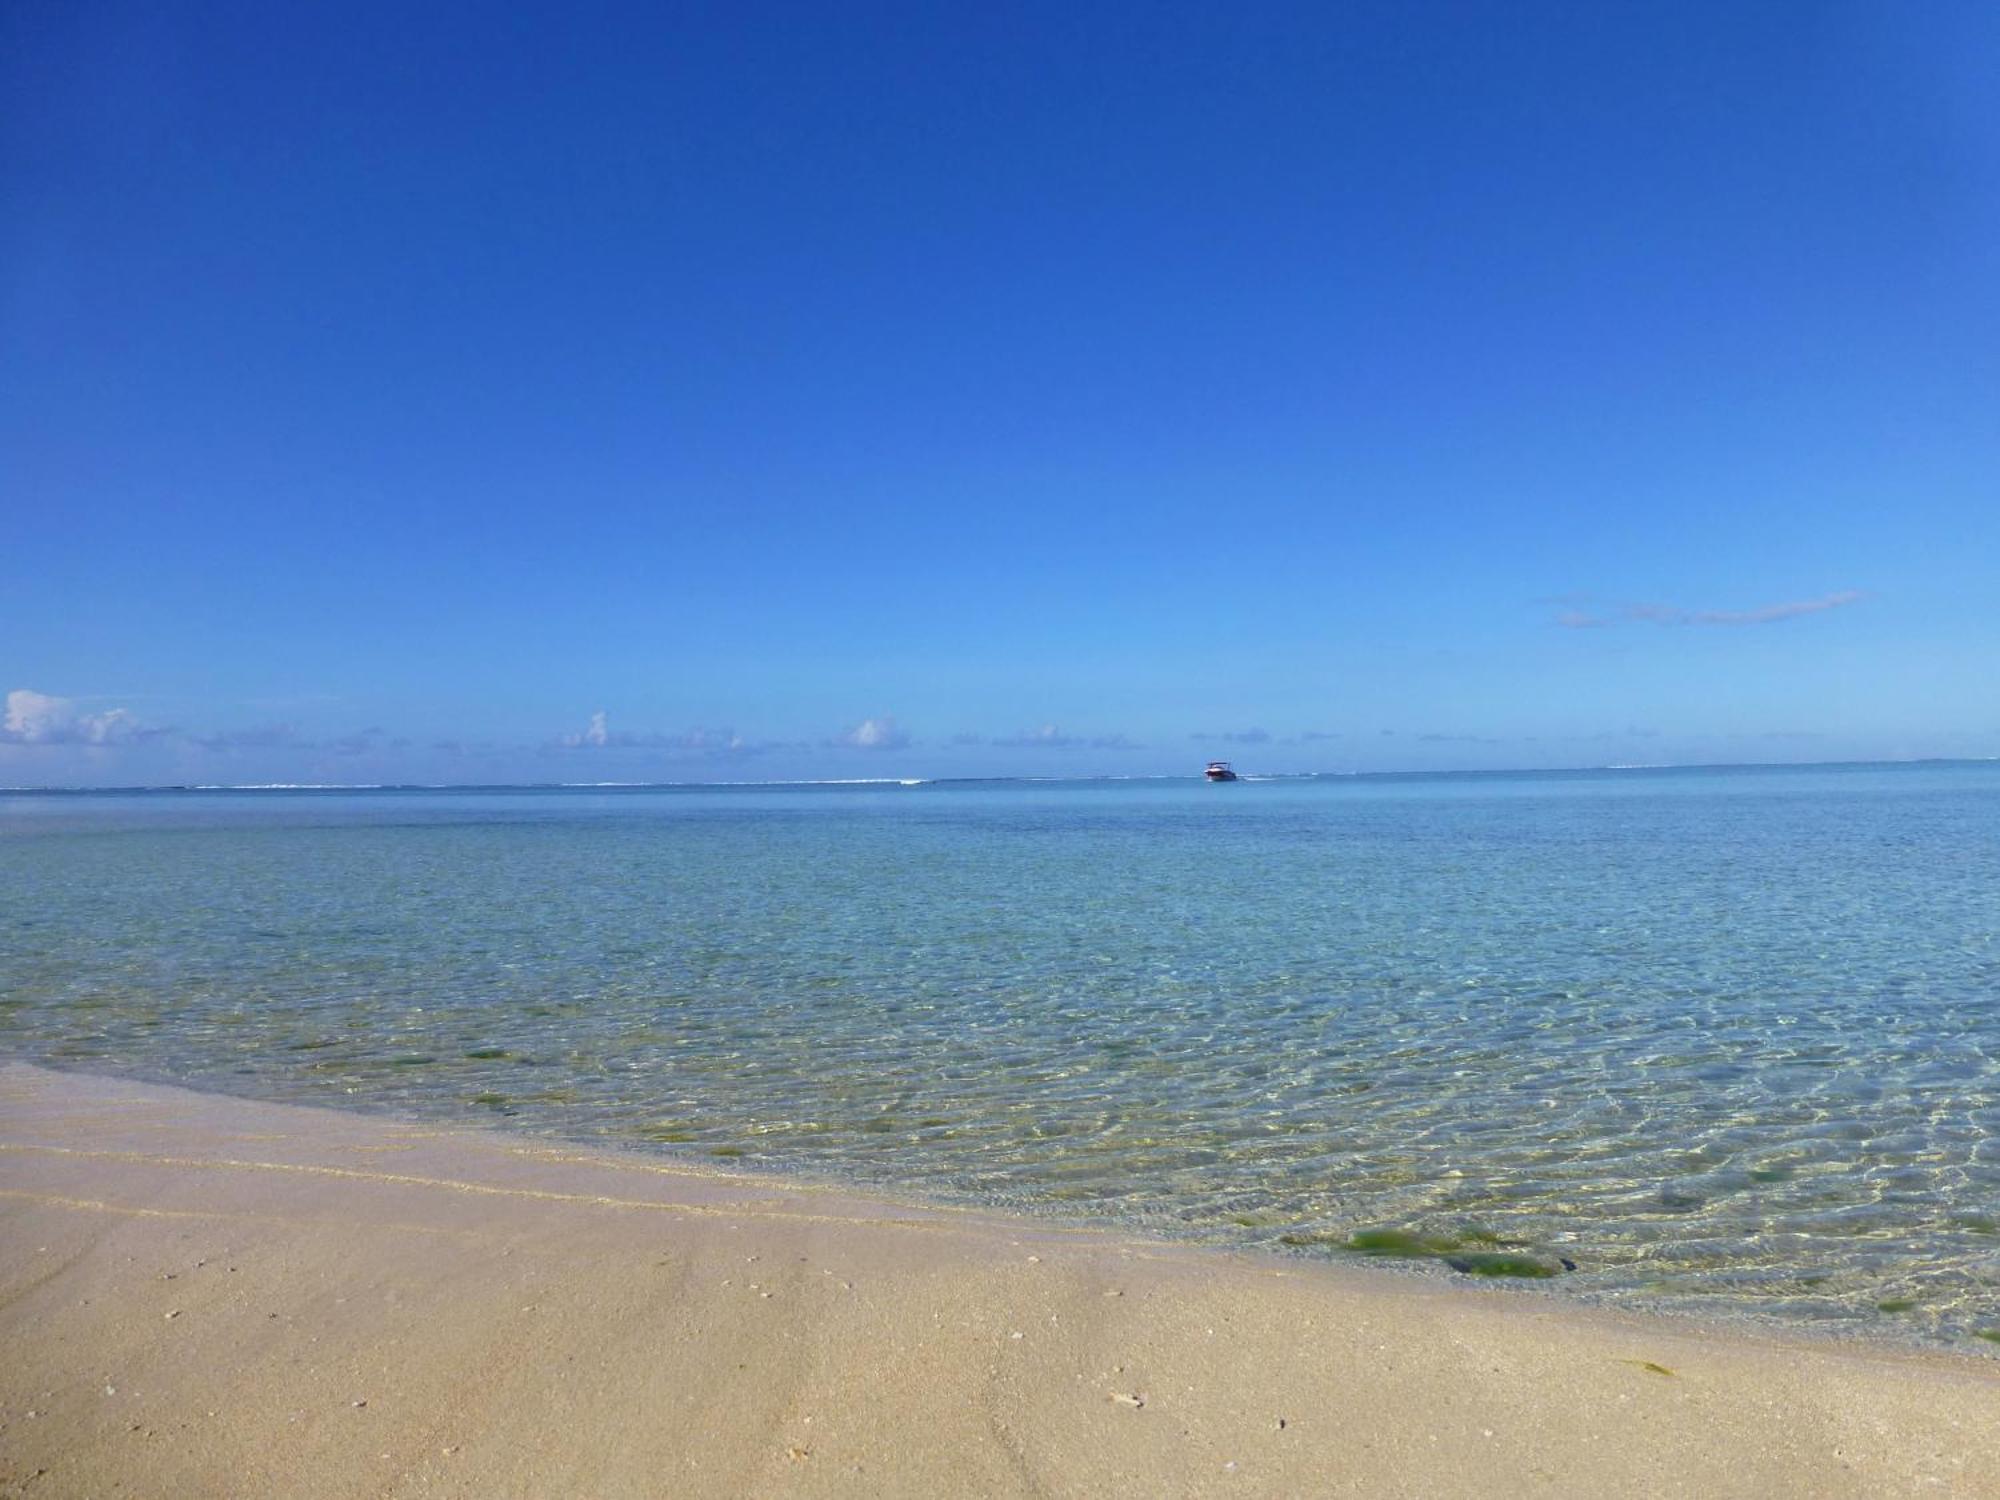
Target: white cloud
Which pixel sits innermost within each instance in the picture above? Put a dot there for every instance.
(598, 734)
(34, 718)
(1673, 614)
(880, 733)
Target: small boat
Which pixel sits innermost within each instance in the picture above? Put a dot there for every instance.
(1220, 770)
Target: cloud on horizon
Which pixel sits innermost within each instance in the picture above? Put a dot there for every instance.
(599, 735)
(33, 718)
(1251, 736)
(1594, 617)
(285, 737)
(1601, 736)
(880, 733)
(257, 737)
(1050, 737)
(366, 742)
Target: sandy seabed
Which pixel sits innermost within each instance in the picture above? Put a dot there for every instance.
(208, 1297)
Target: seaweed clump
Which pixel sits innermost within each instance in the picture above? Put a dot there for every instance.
(1494, 1263)
(1473, 1252)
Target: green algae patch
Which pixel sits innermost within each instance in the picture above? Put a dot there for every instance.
(1495, 1263)
(1770, 1174)
(1896, 1304)
(412, 1060)
(672, 1134)
(1991, 1335)
(490, 1099)
(727, 1151)
(1471, 1252)
(488, 1054)
(1400, 1243)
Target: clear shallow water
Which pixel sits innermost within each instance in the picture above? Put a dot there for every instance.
(1724, 1040)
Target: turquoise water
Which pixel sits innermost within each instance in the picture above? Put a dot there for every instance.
(1720, 1039)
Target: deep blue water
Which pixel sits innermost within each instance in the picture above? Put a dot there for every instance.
(1723, 1039)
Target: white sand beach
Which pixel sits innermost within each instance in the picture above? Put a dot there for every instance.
(204, 1296)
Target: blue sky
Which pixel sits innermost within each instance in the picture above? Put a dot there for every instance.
(729, 392)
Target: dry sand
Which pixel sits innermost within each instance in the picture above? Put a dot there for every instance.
(206, 1297)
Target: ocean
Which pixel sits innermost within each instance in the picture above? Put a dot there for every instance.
(1722, 1040)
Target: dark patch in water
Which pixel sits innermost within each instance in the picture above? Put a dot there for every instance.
(1491, 1263)
(1400, 1243)
(672, 1132)
(1452, 1249)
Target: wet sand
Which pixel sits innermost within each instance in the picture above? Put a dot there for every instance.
(203, 1296)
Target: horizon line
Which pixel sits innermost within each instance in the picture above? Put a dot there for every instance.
(137, 788)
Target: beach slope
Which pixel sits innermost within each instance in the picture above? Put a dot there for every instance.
(203, 1296)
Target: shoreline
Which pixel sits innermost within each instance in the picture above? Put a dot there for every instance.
(205, 1294)
(1701, 1315)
